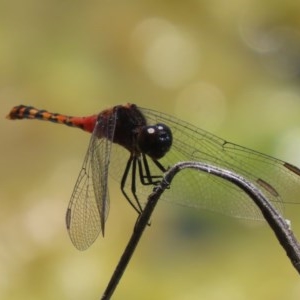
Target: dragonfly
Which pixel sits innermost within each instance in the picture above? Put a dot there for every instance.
(135, 146)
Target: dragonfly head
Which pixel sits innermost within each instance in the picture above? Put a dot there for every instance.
(155, 140)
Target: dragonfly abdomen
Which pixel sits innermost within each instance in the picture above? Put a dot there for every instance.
(29, 112)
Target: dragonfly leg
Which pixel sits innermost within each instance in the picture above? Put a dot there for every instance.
(141, 165)
(131, 164)
(146, 177)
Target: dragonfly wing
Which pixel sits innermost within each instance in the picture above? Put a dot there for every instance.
(89, 204)
(100, 164)
(279, 182)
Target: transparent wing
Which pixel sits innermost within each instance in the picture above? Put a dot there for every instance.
(279, 182)
(89, 204)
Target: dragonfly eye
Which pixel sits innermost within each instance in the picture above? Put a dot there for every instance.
(155, 140)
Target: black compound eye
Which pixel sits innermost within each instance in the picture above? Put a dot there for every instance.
(155, 140)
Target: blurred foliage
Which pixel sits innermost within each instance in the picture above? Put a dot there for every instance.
(229, 67)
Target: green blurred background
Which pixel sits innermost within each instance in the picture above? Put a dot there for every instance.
(230, 67)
